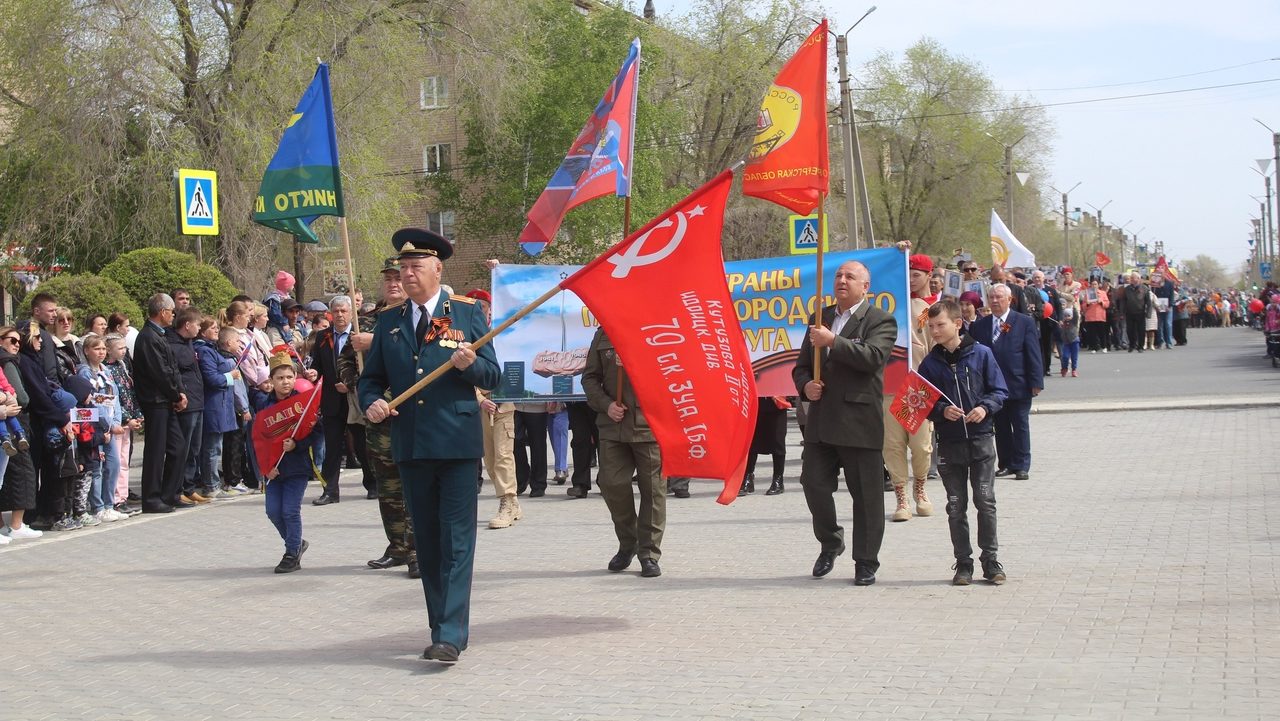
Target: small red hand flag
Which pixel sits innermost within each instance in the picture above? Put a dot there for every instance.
(913, 401)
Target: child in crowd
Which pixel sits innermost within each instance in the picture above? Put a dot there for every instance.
(1069, 346)
(12, 439)
(117, 363)
(219, 375)
(973, 390)
(276, 301)
(287, 482)
(98, 456)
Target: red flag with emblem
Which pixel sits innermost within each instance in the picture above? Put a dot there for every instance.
(293, 417)
(661, 297)
(913, 401)
(788, 162)
(1101, 260)
(1162, 267)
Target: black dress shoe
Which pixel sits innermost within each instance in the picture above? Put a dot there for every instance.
(325, 499)
(826, 561)
(413, 569)
(1002, 472)
(1020, 476)
(157, 508)
(387, 561)
(372, 495)
(577, 492)
(537, 493)
(445, 653)
(775, 488)
(649, 568)
(863, 576)
(620, 561)
(748, 485)
(681, 492)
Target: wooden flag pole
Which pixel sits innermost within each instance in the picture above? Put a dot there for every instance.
(482, 340)
(817, 352)
(626, 230)
(351, 283)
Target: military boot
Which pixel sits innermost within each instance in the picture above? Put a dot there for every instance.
(508, 512)
(924, 507)
(903, 512)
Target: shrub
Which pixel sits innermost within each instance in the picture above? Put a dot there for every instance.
(148, 271)
(87, 294)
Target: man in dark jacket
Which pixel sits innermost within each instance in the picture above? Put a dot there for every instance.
(845, 423)
(973, 391)
(1135, 304)
(329, 344)
(160, 393)
(1011, 336)
(183, 459)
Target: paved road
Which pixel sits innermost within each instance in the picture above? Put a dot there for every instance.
(1144, 582)
(1216, 362)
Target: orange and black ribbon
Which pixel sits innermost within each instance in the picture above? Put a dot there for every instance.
(438, 327)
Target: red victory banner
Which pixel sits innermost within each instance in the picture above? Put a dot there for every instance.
(1162, 267)
(1101, 260)
(662, 298)
(788, 162)
(293, 417)
(915, 399)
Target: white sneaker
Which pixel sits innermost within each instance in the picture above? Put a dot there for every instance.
(111, 515)
(5, 540)
(103, 517)
(23, 531)
(87, 520)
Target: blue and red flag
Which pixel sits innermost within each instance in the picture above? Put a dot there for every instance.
(598, 163)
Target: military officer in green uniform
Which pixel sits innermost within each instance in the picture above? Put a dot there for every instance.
(395, 522)
(436, 436)
(627, 448)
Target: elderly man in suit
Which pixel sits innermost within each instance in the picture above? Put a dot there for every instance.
(845, 423)
(329, 344)
(1011, 336)
(436, 435)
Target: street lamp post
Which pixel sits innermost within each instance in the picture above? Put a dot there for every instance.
(1066, 225)
(1120, 234)
(857, 184)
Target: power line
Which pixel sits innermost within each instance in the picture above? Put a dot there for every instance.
(1142, 82)
(1037, 106)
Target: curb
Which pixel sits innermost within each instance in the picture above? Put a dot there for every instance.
(1206, 403)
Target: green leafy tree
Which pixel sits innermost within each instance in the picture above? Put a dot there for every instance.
(145, 272)
(102, 101)
(87, 295)
(933, 149)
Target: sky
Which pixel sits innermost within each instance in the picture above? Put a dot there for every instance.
(1180, 166)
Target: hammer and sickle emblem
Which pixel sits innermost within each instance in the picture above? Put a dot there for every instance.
(631, 257)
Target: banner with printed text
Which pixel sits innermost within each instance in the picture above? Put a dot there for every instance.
(543, 355)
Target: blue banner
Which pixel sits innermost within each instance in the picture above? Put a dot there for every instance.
(544, 354)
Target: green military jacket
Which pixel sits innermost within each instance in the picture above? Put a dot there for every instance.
(600, 381)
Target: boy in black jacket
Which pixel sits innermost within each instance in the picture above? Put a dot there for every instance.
(973, 390)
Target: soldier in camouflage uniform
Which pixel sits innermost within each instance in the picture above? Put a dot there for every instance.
(395, 522)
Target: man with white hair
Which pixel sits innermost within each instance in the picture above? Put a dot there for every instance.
(1011, 336)
(333, 399)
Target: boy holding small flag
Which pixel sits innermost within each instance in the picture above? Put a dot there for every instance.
(972, 390)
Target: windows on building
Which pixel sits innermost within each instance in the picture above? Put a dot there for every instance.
(441, 222)
(433, 92)
(436, 158)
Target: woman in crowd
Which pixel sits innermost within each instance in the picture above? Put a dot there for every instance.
(219, 375)
(18, 483)
(65, 343)
(51, 424)
(1096, 302)
(95, 324)
(118, 323)
(771, 438)
(970, 302)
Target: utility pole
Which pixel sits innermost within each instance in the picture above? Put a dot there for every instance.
(1008, 177)
(1275, 149)
(1101, 242)
(855, 178)
(1066, 224)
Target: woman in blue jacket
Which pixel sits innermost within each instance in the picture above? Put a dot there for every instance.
(219, 375)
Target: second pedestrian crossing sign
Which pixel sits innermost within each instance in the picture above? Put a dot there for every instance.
(804, 235)
(197, 202)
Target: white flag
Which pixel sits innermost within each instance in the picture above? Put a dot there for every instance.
(1006, 251)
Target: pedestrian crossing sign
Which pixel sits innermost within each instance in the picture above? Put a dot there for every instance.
(804, 235)
(197, 192)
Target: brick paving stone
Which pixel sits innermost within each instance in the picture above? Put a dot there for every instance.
(1143, 584)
